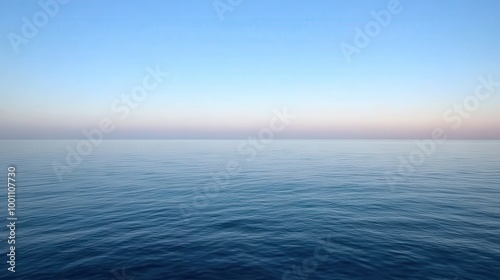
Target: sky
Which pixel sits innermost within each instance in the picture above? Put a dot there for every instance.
(343, 69)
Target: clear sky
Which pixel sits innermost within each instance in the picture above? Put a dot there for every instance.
(229, 70)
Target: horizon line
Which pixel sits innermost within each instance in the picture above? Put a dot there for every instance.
(246, 138)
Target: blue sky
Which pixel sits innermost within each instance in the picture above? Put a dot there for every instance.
(226, 76)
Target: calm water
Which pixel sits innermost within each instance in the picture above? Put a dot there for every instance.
(298, 210)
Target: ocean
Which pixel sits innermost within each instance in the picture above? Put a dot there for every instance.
(227, 209)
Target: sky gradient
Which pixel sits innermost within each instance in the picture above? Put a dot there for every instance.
(227, 75)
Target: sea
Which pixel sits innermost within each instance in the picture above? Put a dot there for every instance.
(234, 209)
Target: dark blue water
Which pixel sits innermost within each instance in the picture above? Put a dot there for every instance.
(297, 210)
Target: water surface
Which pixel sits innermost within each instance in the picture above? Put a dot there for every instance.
(303, 209)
